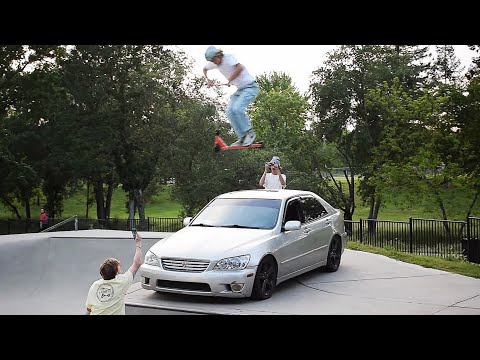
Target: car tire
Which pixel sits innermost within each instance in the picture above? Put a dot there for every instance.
(265, 279)
(334, 255)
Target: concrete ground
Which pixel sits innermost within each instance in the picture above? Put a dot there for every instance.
(50, 273)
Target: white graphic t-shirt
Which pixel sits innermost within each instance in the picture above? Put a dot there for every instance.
(227, 67)
(107, 297)
(273, 181)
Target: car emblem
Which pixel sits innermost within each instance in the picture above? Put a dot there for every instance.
(184, 264)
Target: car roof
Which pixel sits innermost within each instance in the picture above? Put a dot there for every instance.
(264, 194)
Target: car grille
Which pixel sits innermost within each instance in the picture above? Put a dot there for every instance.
(186, 265)
(181, 285)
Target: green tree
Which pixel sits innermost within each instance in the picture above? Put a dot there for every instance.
(279, 112)
(420, 150)
(29, 102)
(467, 124)
(124, 97)
(339, 92)
(447, 67)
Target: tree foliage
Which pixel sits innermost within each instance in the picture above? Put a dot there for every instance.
(383, 116)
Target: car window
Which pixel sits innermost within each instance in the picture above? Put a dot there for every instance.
(294, 211)
(244, 213)
(312, 209)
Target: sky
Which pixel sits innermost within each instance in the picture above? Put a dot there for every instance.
(297, 61)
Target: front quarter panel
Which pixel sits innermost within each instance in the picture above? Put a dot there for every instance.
(339, 228)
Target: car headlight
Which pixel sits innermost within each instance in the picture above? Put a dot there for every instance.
(233, 263)
(151, 259)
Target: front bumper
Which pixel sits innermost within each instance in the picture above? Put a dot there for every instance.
(233, 283)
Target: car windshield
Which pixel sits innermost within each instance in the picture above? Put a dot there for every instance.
(240, 213)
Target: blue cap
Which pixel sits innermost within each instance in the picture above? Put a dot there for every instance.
(275, 160)
(211, 52)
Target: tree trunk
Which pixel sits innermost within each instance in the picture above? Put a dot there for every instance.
(88, 199)
(347, 214)
(98, 189)
(372, 206)
(377, 208)
(141, 208)
(444, 213)
(11, 206)
(470, 210)
(50, 207)
(108, 202)
(28, 213)
(131, 209)
(373, 214)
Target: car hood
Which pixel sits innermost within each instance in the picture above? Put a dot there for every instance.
(208, 243)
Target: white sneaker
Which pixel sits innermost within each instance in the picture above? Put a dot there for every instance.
(239, 142)
(249, 138)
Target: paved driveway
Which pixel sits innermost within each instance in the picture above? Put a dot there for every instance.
(51, 273)
(366, 284)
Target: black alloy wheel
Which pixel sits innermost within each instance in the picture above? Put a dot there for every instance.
(265, 279)
(334, 255)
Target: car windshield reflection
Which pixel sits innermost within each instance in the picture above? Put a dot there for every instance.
(240, 213)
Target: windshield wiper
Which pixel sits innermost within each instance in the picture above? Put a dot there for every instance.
(206, 225)
(240, 226)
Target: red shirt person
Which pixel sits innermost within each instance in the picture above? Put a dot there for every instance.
(43, 219)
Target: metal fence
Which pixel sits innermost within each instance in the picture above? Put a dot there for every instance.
(14, 226)
(440, 238)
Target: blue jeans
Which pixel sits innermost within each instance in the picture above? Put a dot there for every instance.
(237, 108)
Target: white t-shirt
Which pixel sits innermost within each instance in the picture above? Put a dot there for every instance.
(107, 297)
(226, 68)
(273, 181)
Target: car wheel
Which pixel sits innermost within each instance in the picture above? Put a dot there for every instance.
(334, 255)
(265, 279)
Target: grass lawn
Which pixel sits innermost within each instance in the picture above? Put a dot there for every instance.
(160, 206)
(456, 266)
(397, 206)
(400, 205)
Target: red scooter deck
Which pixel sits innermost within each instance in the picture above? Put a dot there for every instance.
(220, 145)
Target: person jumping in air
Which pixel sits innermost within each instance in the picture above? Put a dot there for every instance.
(247, 90)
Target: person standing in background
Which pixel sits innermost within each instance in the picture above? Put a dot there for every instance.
(273, 179)
(43, 219)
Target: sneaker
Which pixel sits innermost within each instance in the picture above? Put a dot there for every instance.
(239, 142)
(249, 138)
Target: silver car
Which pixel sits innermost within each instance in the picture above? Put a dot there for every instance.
(244, 243)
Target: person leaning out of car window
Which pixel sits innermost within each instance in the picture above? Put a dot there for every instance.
(272, 177)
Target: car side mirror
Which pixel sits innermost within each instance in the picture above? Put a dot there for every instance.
(292, 225)
(187, 221)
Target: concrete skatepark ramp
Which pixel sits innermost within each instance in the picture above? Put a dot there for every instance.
(50, 273)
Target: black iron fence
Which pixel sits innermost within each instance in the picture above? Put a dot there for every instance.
(13, 226)
(441, 238)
